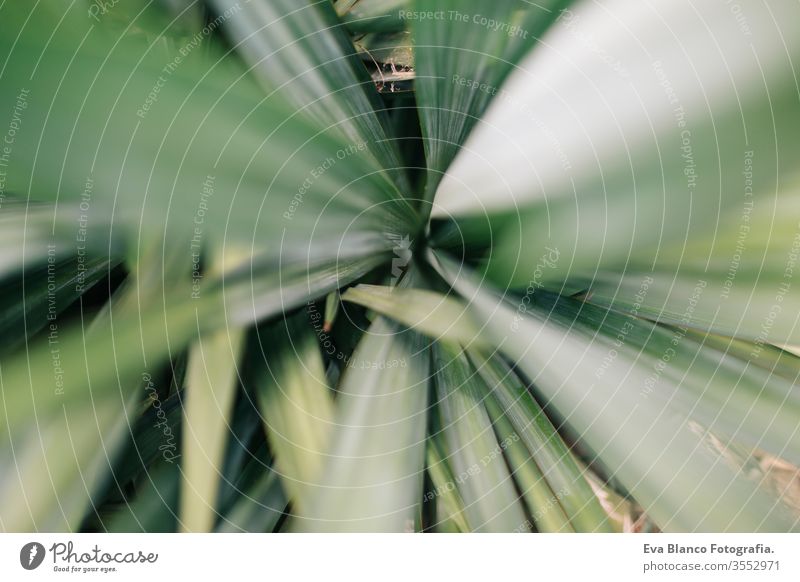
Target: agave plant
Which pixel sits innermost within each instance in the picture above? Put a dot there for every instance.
(399, 265)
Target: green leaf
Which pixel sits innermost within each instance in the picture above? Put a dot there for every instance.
(61, 376)
(184, 137)
(372, 480)
(431, 313)
(563, 482)
(557, 479)
(770, 317)
(464, 49)
(212, 378)
(300, 50)
(491, 502)
(251, 497)
(542, 501)
(296, 403)
(156, 433)
(265, 286)
(555, 486)
(47, 262)
(450, 514)
(79, 384)
(655, 452)
(154, 507)
(724, 390)
(258, 509)
(623, 146)
(43, 292)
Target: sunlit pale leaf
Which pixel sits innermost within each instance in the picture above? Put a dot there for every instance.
(372, 480)
(491, 503)
(436, 315)
(556, 487)
(212, 378)
(654, 450)
(295, 402)
(618, 140)
(463, 52)
(66, 405)
(258, 509)
(444, 493)
(562, 482)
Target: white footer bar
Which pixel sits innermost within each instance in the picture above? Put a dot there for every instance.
(401, 557)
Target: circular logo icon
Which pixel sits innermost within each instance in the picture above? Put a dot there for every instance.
(31, 555)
